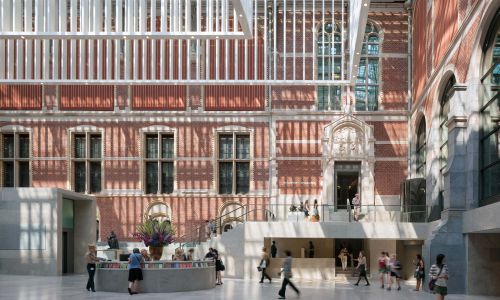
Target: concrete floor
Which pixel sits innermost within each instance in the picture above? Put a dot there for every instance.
(73, 288)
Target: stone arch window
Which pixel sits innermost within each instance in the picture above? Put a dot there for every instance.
(421, 149)
(328, 60)
(490, 117)
(443, 134)
(367, 82)
(159, 211)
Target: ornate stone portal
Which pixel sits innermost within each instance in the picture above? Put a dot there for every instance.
(350, 140)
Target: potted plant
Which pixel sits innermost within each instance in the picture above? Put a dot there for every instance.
(155, 235)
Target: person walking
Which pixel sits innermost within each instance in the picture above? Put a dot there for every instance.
(382, 268)
(92, 259)
(264, 263)
(287, 272)
(343, 258)
(439, 274)
(362, 268)
(419, 271)
(274, 250)
(395, 266)
(134, 271)
(315, 211)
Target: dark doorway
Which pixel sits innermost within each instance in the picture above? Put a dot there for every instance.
(353, 247)
(347, 187)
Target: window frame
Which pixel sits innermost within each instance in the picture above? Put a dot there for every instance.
(233, 160)
(16, 159)
(88, 160)
(333, 99)
(367, 57)
(159, 160)
(489, 96)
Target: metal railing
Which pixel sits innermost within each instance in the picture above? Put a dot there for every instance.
(363, 213)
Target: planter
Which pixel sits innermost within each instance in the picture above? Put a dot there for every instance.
(155, 252)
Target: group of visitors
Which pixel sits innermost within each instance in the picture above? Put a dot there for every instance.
(389, 269)
(214, 255)
(310, 214)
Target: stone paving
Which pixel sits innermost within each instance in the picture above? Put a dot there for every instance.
(73, 287)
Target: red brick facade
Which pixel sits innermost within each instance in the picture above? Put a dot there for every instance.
(196, 113)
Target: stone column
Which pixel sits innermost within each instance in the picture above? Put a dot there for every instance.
(448, 238)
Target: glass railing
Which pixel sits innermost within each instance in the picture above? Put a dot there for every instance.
(363, 213)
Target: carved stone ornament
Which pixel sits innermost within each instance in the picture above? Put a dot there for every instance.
(347, 142)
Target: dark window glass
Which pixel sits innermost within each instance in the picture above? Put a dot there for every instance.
(242, 147)
(167, 146)
(24, 174)
(8, 146)
(95, 146)
(421, 149)
(151, 178)
(242, 177)
(152, 146)
(95, 177)
(225, 178)
(491, 181)
(226, 146)
(8, 174)
(167, 177)
(24, 146)
(80, 177)
(79, 146)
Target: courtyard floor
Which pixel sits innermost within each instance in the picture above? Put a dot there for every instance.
(73, 287)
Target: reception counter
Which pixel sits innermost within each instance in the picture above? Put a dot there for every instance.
(159, 276)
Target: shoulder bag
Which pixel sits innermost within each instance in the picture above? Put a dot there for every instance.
(432, 282)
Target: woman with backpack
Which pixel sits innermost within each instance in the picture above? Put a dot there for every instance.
(439, 278)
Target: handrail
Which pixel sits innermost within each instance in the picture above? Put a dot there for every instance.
(200, 226)
(219, 226)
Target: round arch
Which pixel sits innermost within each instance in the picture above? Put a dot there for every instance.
(158, 210)
(230, 212)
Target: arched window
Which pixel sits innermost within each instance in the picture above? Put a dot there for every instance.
(159, 211)
(367, 82)
(490, 115)
(443, 133)
(421, 149)
(328, 58)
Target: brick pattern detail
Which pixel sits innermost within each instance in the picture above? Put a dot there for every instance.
(122, 214)
(390, 131)
(395, 83)
(86, 97)
(20, 97)
(299, 177)
(394, 150)
(299, 150)
(158, 97)
(235, 98)
(445, 26)
(388, 176)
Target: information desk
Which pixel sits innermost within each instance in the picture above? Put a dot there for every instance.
(159, 276)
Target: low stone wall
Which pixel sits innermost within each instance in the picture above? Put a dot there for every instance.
(157, 280)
